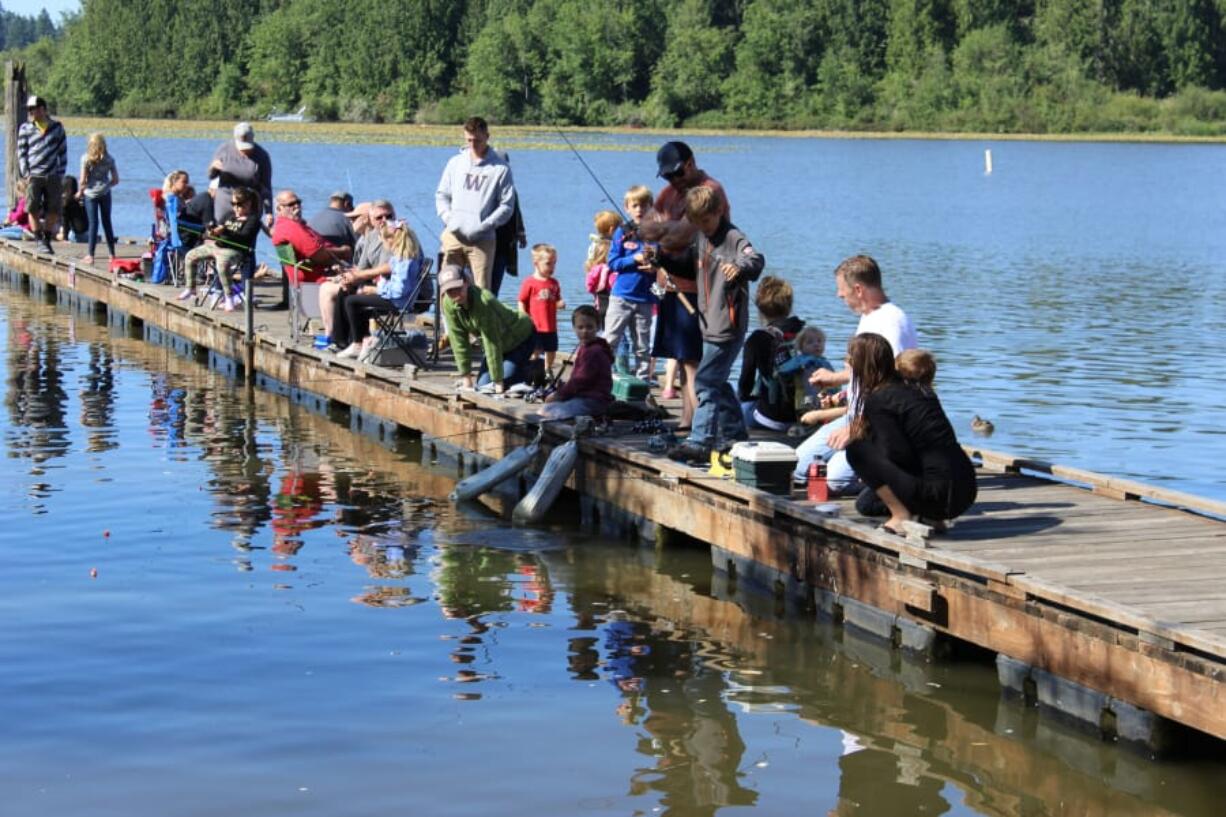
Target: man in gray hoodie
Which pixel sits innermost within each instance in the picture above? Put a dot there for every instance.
(475, 196)
(726, 264)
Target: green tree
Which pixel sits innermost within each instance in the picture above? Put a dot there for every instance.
(697, 58)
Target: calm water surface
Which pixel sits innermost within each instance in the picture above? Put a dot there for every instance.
(217, 602)
(1076, 297)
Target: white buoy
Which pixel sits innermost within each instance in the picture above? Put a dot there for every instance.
(987, 162)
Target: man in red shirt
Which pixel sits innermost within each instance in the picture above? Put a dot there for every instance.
(315, 255)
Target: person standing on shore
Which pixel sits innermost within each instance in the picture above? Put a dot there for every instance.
(42, 157)
(475, 196)
(98, 175)
(240, 162)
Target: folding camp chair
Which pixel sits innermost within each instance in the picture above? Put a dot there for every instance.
(303, 298)
(175, 240)
(388, 324)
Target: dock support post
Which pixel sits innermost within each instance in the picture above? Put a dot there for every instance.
(14, 116)
(249, 334)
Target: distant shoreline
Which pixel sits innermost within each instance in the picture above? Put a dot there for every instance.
(523, 135)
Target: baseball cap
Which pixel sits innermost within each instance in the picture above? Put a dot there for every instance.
(672, 157)
(244, 136)
(451, 276)
(36, 102)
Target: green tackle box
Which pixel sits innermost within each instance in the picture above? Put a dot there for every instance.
(626, 387)
(764, 465)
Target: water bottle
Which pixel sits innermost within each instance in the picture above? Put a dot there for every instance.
(818, 492)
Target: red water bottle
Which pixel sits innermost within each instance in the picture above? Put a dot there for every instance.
(818, 492)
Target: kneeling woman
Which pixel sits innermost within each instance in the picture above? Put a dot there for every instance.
(902, 444)
(507, 336)
(395, 285)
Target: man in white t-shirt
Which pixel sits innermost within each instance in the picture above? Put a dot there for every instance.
(858, 282)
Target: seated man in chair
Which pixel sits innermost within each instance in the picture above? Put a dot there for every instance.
(315, 255)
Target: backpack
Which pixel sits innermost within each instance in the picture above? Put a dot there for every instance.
(775, 387)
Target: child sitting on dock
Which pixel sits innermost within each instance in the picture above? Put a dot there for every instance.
(589, 391)
(811, 356)
(597, 275)
(632, 302)
(540, 298)
(17, 217)
(916, 366)
(228, 244)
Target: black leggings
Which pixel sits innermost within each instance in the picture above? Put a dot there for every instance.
(351, 320)
(945, 494)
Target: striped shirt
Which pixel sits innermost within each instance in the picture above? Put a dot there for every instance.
(42, 152)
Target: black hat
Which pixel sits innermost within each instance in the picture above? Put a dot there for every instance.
(36, 102)
(672, 157)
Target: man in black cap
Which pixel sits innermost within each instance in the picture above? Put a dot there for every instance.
(332, 223)
(677, 167)
(42, 157)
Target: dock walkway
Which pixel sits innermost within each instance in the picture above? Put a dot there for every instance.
(1104, 598)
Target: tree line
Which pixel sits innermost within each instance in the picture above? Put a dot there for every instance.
(1036, 66)
(18, 30)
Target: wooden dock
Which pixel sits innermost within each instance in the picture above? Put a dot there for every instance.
(1102, 597)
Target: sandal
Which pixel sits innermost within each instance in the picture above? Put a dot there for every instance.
(887, 529)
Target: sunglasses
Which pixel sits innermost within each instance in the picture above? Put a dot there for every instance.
(676, 174)
(379, 217)
(294, 203)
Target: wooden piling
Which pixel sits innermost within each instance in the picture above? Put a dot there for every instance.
(14, 116)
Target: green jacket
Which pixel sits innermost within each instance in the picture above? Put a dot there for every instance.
(500, 327)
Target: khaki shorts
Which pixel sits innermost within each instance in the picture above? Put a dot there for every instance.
(44, 197)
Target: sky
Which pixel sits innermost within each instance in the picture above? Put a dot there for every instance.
(30, 8)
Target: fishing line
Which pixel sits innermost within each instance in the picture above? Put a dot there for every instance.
(156, 163)
(592, 173)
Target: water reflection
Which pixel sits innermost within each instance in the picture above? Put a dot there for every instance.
(721, 701)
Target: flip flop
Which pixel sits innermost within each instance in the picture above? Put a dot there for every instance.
(887, 529)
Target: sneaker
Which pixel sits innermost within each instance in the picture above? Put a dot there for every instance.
(690, 454)
(668, 394)
(88, 260)
(45, 248)
(227, 304)
(349, 352)
(185, 294)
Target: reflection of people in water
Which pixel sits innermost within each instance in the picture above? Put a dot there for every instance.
(679, 702)
(98, 399)
(36, 398)
(875, 781)
(295, 508)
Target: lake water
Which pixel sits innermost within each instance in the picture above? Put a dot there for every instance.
(289, 618)
(1076, 296)
(218, 602)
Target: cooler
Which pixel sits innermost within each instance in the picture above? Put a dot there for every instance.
(626, 387)
(765, 465)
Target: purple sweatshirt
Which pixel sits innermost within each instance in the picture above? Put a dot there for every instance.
(593, 374)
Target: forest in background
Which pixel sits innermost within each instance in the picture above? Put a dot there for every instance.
(1004, 66)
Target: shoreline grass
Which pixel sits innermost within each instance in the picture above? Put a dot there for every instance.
(529, 135)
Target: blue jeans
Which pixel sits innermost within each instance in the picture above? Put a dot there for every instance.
(718, 418)
(95, 210)
(840, 476)
(513, 363)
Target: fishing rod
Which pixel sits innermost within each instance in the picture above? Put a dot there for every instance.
(595, 178)
(156, 163)
(685, 302)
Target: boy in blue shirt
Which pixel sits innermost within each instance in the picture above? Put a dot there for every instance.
(631, 301)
